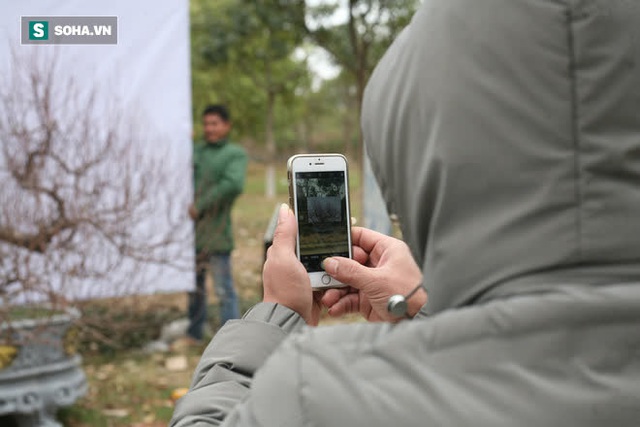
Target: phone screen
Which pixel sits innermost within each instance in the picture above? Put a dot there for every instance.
(322, 217)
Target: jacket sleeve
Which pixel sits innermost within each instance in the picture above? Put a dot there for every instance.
(228, 187)
(225, 372)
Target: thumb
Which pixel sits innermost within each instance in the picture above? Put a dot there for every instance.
(284, 236)
(348, 271)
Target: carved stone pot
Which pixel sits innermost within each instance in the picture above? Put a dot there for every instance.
(39, 368)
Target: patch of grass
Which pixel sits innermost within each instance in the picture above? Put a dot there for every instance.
(32, 312)
(79, 415)
(130, 389)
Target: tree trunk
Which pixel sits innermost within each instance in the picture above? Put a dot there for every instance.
(270, 175)
(349, 124)
(359, 48)
(303, 132)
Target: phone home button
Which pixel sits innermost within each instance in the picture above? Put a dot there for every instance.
(325, 279)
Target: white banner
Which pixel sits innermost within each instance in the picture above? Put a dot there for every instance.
(137, 91)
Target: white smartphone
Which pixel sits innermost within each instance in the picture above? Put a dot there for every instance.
(319, 196)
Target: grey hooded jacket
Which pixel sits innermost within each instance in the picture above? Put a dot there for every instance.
(506, 136)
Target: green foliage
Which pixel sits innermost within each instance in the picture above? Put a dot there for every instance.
(107, 328)
(371, 27)
(249, 54)
(214, 78)
(31, 312)
(242, 52)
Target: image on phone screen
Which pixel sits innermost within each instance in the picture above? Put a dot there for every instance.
(322, 217)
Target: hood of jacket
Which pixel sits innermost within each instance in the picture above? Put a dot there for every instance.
(506, 137)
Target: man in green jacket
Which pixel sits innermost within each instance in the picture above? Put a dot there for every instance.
(219, 168)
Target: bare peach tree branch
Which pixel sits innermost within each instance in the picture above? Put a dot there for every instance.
(86, 200)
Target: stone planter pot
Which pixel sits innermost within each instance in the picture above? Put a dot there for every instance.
(40, 370)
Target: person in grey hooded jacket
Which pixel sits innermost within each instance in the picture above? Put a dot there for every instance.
(505, 134)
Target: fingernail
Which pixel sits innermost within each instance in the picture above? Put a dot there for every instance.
(330, 265)
(284, 212)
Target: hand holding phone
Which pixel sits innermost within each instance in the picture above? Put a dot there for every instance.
(382, 266)
(285, 280)
(319, 197)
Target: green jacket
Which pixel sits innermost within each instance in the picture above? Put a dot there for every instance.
(218, 177)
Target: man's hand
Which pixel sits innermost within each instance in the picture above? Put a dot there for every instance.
(382, 267)
(285, 279)
(193, 212)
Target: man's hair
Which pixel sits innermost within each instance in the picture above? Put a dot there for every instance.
(218, 110)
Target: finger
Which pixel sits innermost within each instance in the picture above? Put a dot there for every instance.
(360, 255)
(368, 239)
(332, 296)
(350, 303)
(348, 271)
(284, 236)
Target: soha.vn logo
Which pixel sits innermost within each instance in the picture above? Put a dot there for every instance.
(38, 30)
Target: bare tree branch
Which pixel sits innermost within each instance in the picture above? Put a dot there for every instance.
(82, 204)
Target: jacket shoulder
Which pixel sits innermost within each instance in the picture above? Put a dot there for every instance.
(197, 146)
(431, 369)
(236, 149)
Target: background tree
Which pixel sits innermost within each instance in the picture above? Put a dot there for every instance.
(357, 44)
(216, 79)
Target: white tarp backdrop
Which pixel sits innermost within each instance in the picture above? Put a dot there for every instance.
(147, 75)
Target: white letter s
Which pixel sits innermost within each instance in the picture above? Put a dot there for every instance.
(38, 30)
